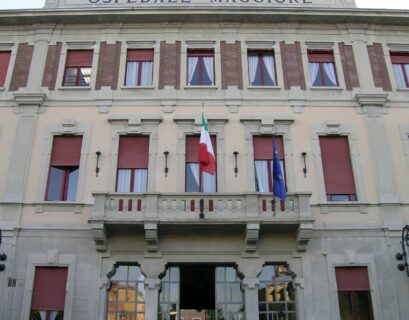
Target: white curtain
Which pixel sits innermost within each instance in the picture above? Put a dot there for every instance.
(131, 73)
(261, 175)
(269, 63)
(140, 180)
(400, 80)
(208, 182)
(43, 314)
(253, 61)
(314, 68)
(191, 66)
(146, 74)
(193, 171)
(53, 315)
(208, 62)
(406, 66)
(329, 69)
(124, 180)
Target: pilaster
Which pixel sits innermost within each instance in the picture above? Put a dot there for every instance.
(151, 298)
(372, 106)
(251, 297)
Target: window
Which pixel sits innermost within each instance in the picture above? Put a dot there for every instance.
(78, 68)
(322, 69)
(196, 182)
(139, 68)
(354, 296)
(126, 295)
(4, 65)
(48, 298)
(263, 161)
(337, 167)
(133, 156)
(64, 168)
(276, 294)
(200, 67)
(261, 68)
(400, 63)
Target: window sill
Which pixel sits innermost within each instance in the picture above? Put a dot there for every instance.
(337, 88)
(397, 89)
(137, 87)
(201, 87)
(2, 89)
(74, 88)
(342, 206)
(264, 88)
(59, 206)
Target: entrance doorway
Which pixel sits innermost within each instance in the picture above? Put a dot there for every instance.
(201, 292)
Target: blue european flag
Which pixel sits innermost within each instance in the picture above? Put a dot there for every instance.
(278, 178)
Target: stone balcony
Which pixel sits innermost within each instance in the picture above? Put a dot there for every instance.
(252, 211)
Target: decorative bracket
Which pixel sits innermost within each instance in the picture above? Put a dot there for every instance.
(99, 236)
(252, 236)
(151, 236)
(304, 235)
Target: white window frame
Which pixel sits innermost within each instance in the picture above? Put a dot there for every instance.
(394, 47)
(139, 45)
(404, 133)
(71, 127)
(144, 125)
(267, 125)
(13, 48)
(51, 259)
(191, 125)
(71, 45)
(335, 128)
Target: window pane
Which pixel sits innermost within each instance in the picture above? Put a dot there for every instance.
(363, 303)
(140, 180)
(70, 77)
(55, 184)
(192, 177)
(124, 180)
(261, 168)
(84, 77)
(131, 73)
(345, 305)
(146, 73)
(72, 184)
(208, 182)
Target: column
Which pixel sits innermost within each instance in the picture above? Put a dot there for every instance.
(151, 298)
(251, 297)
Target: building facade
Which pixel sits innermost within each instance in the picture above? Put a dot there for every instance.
(104, 212)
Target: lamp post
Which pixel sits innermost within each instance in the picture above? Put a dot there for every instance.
(403, 256)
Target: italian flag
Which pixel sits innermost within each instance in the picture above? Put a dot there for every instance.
(207, 162)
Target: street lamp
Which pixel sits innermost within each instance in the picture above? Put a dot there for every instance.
(403, 256)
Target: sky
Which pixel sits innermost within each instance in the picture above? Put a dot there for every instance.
(391, 4)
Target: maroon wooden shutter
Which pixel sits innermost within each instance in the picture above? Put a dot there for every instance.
(192, 147)
(49, 289)
(4, 64)
(320, 56)
(169, 67)
(293, 71)
(263, 147)
(352, 278)
(400, 58)
(108, 65)
(140, 55)
(22, 66)
(133, 152)
(79, 58)
(337, 166)
(66, 151)
(349, 66)
(378, 66)
(230, 55)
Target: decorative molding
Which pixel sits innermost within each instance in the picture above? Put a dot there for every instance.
(99, 235)
(317, 45)
(260, 44)
(6, 46)
(80, 45)
(29, 99)
(151, 236)
(140, 44)
(252, 236)
(398, 47)
(200, 44)
(374, 105)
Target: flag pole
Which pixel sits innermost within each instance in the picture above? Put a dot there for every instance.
(272, 178)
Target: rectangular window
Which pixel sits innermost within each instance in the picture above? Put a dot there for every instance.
(78, 68)
(133, 159)
(139, 68)
(48, 298)
(64, 168)
(263, 161)
(322, 69)
(4, 65)
(200, 67)
(262, 71)
(354, 296)
(196, 182)
(400, 63)
(337, 166)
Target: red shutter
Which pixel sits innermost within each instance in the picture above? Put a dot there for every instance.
(66, 151)
(139, 55)
(4, 64)
(80, 58)
(192, 147)
(133, 152)
(320, 56)
(352, 278)
(337, 166)
(49, 289)
(263, 147)
(397, 57)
